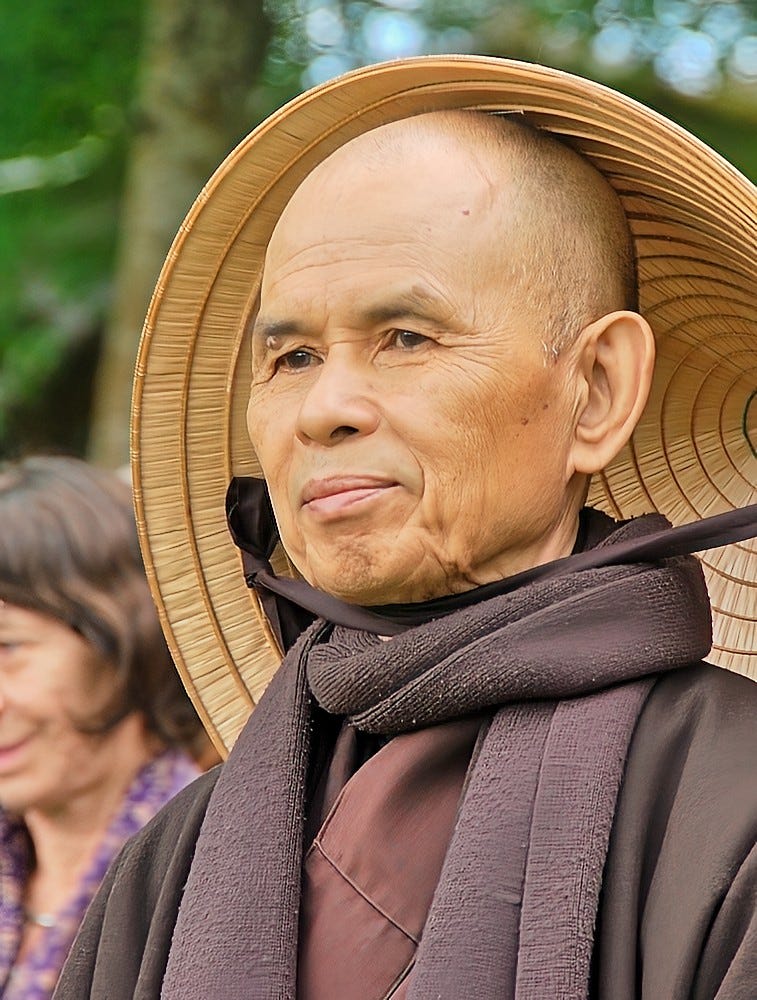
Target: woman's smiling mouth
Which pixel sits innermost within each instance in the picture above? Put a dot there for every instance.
(10, 753)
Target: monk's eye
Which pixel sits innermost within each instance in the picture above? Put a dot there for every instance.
(295, 361)
(406, 340)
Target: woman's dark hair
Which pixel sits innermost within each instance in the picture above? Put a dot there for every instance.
(69, 549)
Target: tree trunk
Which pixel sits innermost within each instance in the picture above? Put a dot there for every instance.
(200, 61)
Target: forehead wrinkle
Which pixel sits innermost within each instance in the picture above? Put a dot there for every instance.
(328, 249)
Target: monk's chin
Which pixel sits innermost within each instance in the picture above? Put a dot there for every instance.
(373, 570)
(364, 592)
(367, 586)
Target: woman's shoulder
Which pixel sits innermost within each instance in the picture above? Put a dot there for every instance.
(123, 943)
(176, 824)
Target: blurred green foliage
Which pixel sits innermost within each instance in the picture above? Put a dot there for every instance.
(68, 76)
(62, 62)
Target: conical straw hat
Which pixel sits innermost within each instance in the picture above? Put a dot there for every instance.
(694, 452)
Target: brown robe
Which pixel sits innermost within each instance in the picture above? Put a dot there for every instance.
(371, 871)
(677, 916)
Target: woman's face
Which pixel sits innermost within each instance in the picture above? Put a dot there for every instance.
(51, 681)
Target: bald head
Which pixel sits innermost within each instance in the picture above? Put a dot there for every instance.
(564, 246)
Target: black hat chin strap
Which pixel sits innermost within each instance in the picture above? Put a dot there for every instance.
(291, 605)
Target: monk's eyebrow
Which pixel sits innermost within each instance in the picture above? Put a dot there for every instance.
(414, 305)
(392, 311)
(264, 330)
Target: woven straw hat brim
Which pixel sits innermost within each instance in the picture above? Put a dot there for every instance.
(694, 222)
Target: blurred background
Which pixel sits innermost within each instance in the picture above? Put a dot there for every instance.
(113, 115)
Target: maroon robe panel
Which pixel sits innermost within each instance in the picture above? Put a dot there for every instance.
(370, 874)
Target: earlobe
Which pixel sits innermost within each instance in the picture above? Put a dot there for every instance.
(616, 361)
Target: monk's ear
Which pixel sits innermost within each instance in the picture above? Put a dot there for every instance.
(615, 361)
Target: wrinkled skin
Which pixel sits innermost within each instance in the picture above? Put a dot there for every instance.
(395, 370)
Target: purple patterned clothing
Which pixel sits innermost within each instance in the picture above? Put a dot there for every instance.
(34, 978)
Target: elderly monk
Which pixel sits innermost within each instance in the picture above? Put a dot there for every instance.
(533, 787)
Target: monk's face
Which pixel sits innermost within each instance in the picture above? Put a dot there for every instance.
(414, 435)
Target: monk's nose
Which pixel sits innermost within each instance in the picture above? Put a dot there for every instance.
(339, 404)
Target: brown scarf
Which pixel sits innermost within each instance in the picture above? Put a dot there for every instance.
(568, 661)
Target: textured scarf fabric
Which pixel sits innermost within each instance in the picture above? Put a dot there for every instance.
(567, 662)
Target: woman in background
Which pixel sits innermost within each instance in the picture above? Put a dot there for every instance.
(96, 731)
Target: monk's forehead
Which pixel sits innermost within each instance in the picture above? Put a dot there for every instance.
(401, 172)
(409, 141)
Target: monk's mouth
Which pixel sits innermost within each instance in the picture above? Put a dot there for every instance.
(337, 496)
